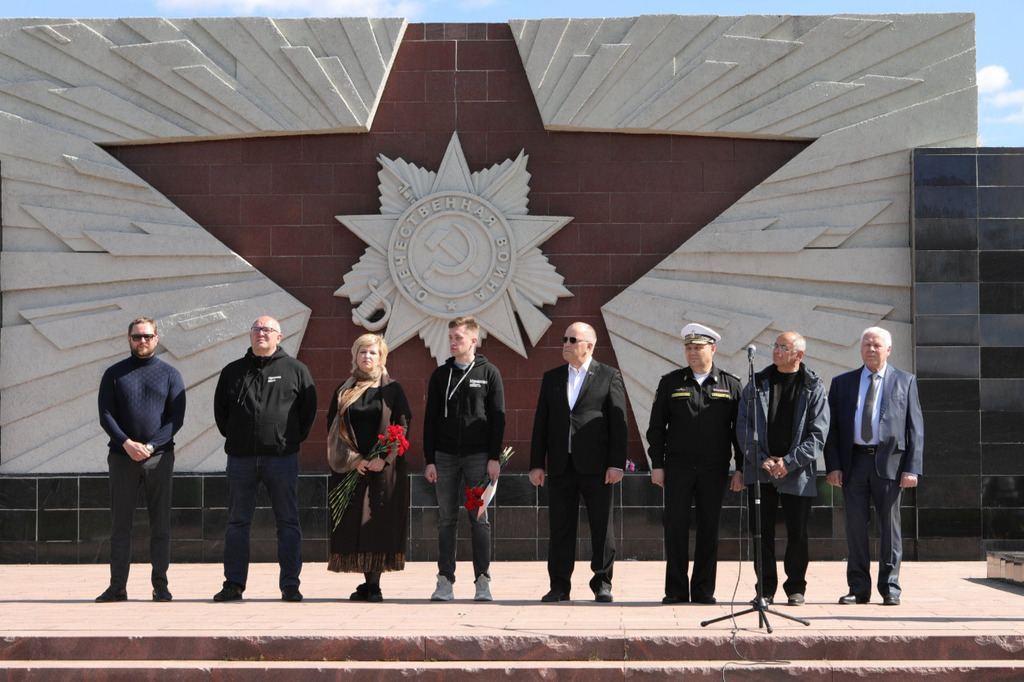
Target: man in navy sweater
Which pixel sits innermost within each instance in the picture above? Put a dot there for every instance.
(142, 405)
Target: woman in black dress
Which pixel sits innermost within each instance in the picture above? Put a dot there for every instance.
(371, 537)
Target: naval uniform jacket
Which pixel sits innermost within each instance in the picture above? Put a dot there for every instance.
(693, 426)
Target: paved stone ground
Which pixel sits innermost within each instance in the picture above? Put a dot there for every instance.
(940, 598)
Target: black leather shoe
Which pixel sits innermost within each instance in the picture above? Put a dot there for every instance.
(291, 593)
(112, 594)
(161, 594)
(704, 600)
(360, 594)
(853, 599)
(796, 599)
(889, 600)
(555, 595)
(373, 594)
(767, 600)
(230, 592)
(603, 595)
(672, 599)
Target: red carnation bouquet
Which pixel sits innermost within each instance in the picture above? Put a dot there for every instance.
(339, 498)
(480, 496)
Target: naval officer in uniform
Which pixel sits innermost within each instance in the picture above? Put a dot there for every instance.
(691, 439)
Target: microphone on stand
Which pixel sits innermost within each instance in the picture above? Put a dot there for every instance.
(751, 350)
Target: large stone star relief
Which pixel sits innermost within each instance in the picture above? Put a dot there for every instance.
(449, 244)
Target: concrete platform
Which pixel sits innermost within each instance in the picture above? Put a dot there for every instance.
(954, 622)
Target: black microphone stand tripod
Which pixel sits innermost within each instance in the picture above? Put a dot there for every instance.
(760, 604)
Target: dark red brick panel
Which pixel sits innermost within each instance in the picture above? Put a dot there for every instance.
(634, 200)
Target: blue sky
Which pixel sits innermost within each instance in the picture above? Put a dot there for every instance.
(998, 27)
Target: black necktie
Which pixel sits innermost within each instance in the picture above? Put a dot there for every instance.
(868, 411)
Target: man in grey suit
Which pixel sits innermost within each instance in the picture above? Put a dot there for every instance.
(579, 448)
(873, 451)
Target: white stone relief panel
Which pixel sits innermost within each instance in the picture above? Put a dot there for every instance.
(146, 79)
(89, 246)
(823, 245)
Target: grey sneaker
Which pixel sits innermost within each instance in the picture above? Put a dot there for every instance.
(483, 589)
(443, 591)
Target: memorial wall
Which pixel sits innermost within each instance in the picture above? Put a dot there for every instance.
(345, 175)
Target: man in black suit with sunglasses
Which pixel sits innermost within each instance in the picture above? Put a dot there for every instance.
(579, 449)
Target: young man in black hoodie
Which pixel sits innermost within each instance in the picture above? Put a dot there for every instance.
(462, 435)
(264, 406)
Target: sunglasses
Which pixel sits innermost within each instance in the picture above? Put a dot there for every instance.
(572, 340)
(142, 337)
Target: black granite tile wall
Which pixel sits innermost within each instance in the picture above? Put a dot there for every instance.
(1000, 202)
(1007, 234)
(945, 234)
(1001, 298)
(972, 384)
(1000, 170)
(18, 493)
(48, 516)
(947, 171)
(947, 330)
(949, 394)
(1002, 459)
(946, 266)
(953, 362)
(959, 298)
(945, 202)
(1001, 330)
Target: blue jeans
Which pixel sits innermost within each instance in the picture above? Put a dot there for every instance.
(280, 475)
(454, 475)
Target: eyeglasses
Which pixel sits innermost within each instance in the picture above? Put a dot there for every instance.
(784, 349)
(573, 340)
(142, 337)
(263, 330)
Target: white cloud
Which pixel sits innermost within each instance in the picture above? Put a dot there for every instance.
(993, 79)
(1008, 98)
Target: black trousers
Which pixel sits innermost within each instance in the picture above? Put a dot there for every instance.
(703, 489)
(126, 475)
(796, 510)
(564, 493)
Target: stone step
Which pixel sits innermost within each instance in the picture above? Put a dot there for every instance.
(570, 671)
(747, 644)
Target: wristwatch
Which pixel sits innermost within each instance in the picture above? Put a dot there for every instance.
(149, 446)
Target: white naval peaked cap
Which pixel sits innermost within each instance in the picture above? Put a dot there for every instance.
(698, 333)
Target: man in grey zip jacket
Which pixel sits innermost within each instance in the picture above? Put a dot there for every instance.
(789, 409)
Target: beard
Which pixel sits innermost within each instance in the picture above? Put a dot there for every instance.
(143, 354)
